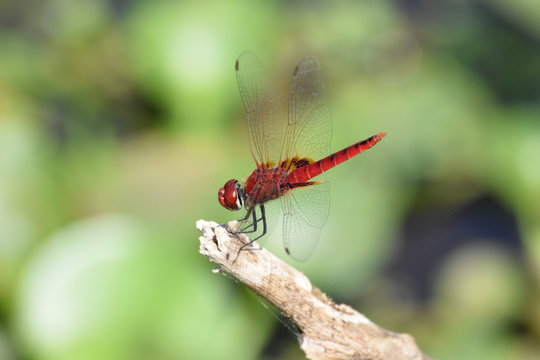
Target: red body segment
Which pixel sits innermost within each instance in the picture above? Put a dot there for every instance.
(305, 173)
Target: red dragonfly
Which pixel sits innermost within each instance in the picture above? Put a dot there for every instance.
(289, 151)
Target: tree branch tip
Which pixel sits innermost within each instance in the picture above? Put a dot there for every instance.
(328, 331)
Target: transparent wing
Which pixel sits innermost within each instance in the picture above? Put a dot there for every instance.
(265, 117)
(305, 211)
(309, 127)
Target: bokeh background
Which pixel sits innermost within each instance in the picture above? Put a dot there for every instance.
(120, 119)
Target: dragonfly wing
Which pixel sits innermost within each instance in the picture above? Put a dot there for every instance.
(309, 127)
(265, 118)
(305, 211)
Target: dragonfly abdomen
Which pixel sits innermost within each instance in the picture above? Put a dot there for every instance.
(305, 173)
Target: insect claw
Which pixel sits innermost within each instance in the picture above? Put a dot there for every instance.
(226, 227)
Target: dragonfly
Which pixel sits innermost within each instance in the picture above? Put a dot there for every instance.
(290, 149)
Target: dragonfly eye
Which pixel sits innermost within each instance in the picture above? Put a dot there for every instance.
(230, 195)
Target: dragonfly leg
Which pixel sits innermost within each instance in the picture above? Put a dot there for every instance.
(254, 224)
(244, 229)
(255, 221)
(263, 219)
(248, 215)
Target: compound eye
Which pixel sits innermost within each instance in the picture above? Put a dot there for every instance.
(229, 196)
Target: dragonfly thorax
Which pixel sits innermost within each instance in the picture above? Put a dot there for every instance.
(264, 184)
(231, 196)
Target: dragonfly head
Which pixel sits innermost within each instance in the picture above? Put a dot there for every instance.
(231, 195)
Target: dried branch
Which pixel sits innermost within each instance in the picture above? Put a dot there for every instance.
(329, 331)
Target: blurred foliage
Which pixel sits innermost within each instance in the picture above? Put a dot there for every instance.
(119, 120)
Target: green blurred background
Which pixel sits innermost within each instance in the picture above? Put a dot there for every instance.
(120, 119)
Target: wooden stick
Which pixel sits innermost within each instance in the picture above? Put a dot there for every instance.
(328, 331)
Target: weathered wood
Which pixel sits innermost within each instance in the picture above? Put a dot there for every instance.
(328, 331)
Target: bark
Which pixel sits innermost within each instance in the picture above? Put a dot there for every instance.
(328, 331)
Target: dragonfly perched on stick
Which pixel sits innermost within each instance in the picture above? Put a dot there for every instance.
(289, 151)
